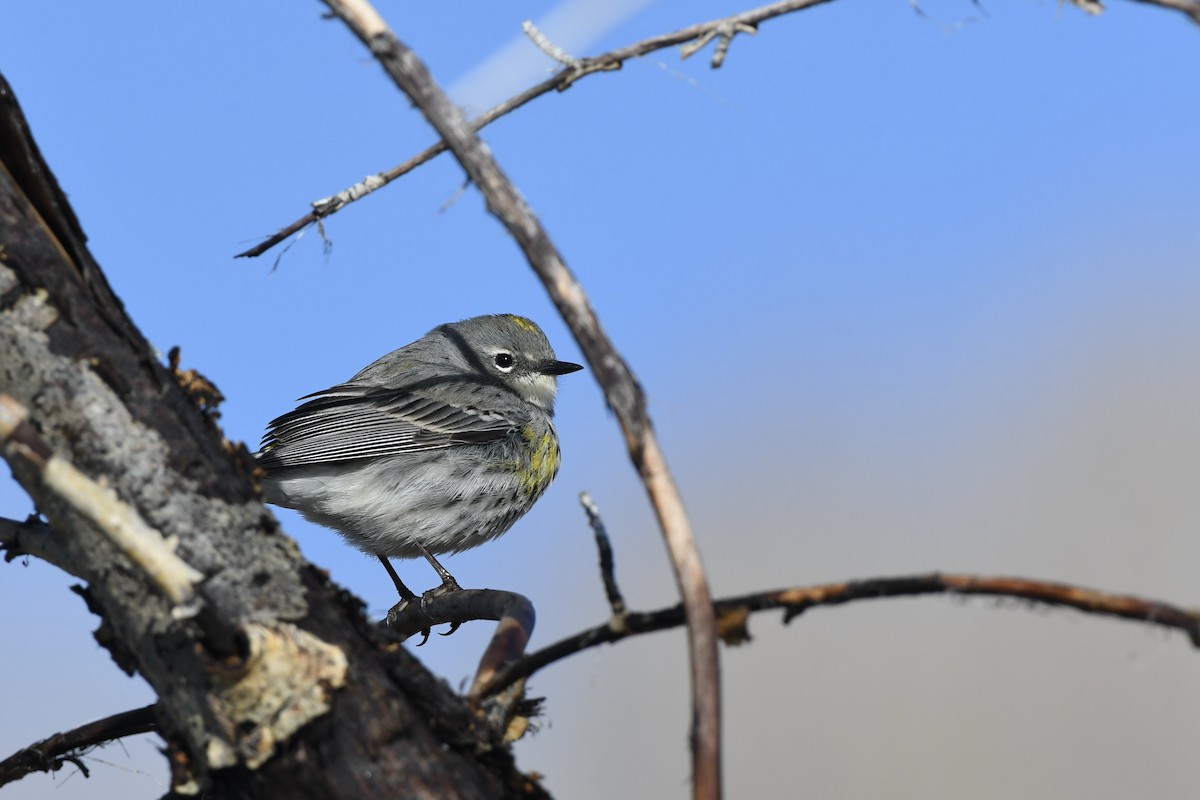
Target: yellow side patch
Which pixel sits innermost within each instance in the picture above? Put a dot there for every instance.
(543, 464)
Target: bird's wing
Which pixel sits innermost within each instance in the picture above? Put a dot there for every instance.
(350, 422)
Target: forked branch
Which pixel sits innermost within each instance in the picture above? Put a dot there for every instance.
(698, 35)
(732, 613)
(690, 39)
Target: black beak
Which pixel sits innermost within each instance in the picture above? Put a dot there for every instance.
(559, 368)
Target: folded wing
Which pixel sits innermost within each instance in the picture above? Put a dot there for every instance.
(350, 422)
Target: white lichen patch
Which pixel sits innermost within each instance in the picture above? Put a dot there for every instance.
(286, 682)
(35, 311)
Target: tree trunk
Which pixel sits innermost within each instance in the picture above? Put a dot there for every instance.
(271, 683)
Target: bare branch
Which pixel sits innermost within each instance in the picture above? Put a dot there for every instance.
(797, 600)
(621, 389)
(1190, 8)
(691, 39)
(515, 617)
(548, 47)
(31, 537)
(409, 617)
(574, 70)
(724, 35)
(49, 754)
(607, 568)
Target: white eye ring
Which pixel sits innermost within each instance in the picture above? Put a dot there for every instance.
(504, 361)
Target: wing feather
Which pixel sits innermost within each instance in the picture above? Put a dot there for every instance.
(350, 422)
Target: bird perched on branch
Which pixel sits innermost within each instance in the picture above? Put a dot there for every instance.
(435, 448)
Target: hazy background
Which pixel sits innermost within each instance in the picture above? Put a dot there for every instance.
(906, 293)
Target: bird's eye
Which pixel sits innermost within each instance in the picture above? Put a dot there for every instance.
(504, 361)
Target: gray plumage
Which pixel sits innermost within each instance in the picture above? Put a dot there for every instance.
(438, 446)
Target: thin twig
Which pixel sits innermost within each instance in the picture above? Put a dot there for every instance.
(49, 754)
(621, 389)
(724, 34)
(607, 568)
(548, 47)
(328, 206)
(796, 601)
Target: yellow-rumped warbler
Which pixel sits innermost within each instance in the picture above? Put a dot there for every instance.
(437, 447)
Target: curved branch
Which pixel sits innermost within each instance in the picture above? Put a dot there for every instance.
(514, 613)
(50, 753)
(732, 612)
(507, 711)
(621, 389)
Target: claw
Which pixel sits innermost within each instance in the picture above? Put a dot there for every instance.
(424, 637)
(453, 627)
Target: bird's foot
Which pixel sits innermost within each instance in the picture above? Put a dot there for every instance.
(449, 586)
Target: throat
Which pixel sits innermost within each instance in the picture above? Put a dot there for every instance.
(540, 390)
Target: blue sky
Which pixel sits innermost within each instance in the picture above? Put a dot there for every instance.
(906, 293)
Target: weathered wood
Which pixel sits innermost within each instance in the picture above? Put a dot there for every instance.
(374, 722)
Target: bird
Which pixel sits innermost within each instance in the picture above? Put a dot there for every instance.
(437, 447)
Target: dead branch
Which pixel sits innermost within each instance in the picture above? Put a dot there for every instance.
(690, 39)
(733, 612)
(604, 547)
(49, 754)
(512, 611)
(621, 389)
(575, 70)
(1188, 8)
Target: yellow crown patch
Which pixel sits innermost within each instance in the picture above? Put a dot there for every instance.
(523, 323)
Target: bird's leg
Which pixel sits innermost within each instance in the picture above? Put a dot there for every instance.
(405, 592)
(448, 582)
